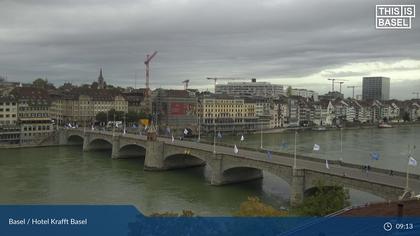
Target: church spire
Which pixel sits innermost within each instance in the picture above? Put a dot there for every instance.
(101, 81)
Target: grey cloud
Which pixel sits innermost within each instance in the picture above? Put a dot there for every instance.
(70, 40)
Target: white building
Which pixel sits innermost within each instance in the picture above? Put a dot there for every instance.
(254, 88)
(305, 93)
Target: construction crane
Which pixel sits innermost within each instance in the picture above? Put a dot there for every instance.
(147, 62)
(185, 82)
(341, 83)
(333, 82)
(148, 101)
(353, 87)
(417, 94)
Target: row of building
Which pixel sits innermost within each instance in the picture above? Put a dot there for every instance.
(28, 113)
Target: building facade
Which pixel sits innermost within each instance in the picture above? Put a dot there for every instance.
(376, 88)
(250, 89)
(33, 114)
(175, 110)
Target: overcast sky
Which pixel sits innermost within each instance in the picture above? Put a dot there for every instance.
(294, 42)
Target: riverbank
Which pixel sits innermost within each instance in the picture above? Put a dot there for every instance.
(309, 128)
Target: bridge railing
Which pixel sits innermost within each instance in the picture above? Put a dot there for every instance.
(320, 160)
(284, 154)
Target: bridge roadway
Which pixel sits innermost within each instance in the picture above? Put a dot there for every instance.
(228, 167)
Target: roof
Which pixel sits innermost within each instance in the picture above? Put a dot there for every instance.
(395, 208)
(30, 93)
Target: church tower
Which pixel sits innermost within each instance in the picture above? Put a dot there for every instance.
(101, 81)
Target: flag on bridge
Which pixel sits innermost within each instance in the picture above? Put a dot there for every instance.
(173, 139)
(374, 156)
(219, 135)
(235, 149)
(93, 128)
(269, 155)
(124, 131)
(316, 147)
(412, 161)
(326, 164)
(242, 138)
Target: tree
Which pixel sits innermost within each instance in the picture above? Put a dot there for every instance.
(119, 115)
(254, 207)
(94, 85)
(132, 117)
(289, 91)
(101, 117)
(40, 83)
(406, 116)
(324, 200)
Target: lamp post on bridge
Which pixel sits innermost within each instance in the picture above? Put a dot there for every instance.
(294, 156)
(113, 126)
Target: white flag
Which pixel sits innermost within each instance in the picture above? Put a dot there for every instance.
(316, 147)
(235, 149)
(173, 139)
(326, 164)
(242, 138)
(185, 131)
(93, 128)
(412, 161)
(125, 131)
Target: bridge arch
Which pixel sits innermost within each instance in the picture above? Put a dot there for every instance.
(75, 139)
(183, 160)
(98, 144)
(255, 169)
(378, 190)
(132, 150)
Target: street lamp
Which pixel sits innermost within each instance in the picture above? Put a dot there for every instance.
(261, 135)
(294, 157)
(214, 126)
(113, 126)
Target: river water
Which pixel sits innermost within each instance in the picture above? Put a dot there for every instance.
(67, 175)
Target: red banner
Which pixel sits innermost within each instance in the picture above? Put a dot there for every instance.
(180, 108)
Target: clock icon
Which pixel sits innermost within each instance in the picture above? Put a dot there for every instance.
(387, 226)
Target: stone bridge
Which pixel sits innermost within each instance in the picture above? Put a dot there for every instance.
(226, 167)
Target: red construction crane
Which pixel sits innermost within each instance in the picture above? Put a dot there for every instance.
(147, 62)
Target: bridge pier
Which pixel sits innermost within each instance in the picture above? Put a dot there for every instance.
(298, 187)
(216, 174)
(115, 147)
(154, 159)
(62, 138)
(86, 141)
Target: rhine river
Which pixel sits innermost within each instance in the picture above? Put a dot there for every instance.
(67, 175)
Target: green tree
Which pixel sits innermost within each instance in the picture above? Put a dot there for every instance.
(324, 200)
(94, 85)
(40, 83)
(101, 117)
(119, 115)
(132, 117)
(289, 91)
(406, 116)
(254, 207)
